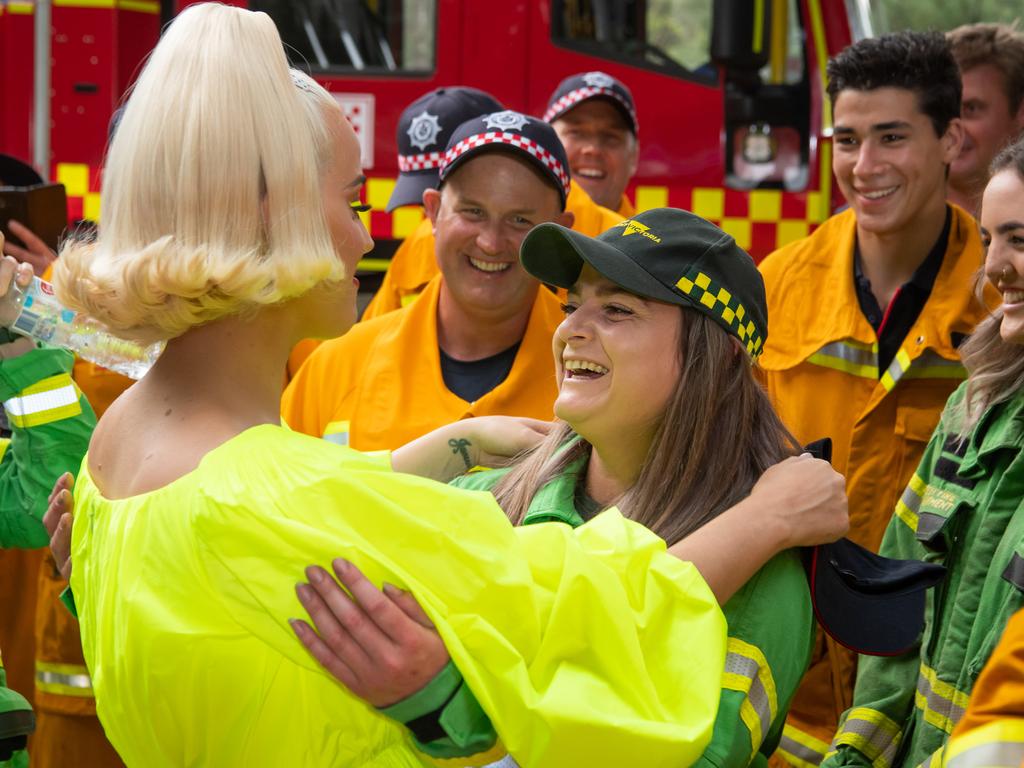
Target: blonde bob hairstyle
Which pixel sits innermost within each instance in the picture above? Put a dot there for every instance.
(212, 199)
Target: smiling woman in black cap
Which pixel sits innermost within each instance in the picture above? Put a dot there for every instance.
(661, 415)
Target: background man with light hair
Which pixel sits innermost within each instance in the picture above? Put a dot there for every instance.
(991, 61)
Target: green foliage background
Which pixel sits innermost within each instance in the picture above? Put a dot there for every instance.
(891, 15)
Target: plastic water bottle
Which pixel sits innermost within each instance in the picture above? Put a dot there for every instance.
(35, 312)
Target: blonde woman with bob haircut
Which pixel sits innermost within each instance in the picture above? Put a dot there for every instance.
(230, 230)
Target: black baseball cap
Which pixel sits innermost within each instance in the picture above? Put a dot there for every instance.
(424, 129)
(664, 254)
(576, 89)
(533, 139)
(871, 604)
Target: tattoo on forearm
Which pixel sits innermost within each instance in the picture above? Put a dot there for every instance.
(461, 447)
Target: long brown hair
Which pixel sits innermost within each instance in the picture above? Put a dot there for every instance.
(995, 368)
(718, 435)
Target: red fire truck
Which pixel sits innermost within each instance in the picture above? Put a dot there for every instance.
(734, 121)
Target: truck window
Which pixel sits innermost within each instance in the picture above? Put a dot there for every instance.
(767, 102)
(366, 36)
(670, 36)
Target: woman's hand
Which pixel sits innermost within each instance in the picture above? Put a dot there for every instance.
(455, 449)
(378, 644)
(58, 520)
(12, 273)
(806, 498)
(36, 253)
(798, 502)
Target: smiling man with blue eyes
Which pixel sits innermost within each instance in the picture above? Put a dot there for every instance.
(867, 314)
(478, 341)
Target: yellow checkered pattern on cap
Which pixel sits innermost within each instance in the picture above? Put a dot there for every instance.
(724, 305)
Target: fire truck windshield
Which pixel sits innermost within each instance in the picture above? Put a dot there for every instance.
(347, 36)
(671, 36)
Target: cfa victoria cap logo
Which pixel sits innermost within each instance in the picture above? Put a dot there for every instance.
(506, 121)
(631, 227)
(423, 130)
(598, 80)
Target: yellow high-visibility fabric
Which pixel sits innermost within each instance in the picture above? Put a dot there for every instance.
(585, 647)
(414, 265)
(994, 721)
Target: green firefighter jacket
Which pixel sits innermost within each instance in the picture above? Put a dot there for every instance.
(50, 422)
(963, 508)
(771, 632)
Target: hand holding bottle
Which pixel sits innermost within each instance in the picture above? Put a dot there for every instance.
(12, 275)
(32, 310)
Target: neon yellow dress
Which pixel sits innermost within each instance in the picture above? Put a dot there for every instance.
(585, 647)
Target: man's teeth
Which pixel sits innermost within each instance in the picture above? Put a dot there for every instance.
(490, 266)
(584, 365)
(1013, 297)
(879, 194)
(590, 173)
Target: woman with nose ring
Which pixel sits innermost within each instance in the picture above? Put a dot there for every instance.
(962, 509)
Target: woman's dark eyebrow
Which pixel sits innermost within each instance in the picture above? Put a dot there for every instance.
(358, 181)
(1009, 226)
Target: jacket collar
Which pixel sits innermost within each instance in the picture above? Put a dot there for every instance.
(827, 309)
(556, 500)
(530, 365)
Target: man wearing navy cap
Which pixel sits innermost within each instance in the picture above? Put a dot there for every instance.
(595, 118)
(413, 265)
(478, 340)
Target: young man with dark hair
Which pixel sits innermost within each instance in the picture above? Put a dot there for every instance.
(868, 311)
(991, 61)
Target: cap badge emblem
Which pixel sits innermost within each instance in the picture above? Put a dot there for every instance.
(423, 130)
(630, 227)
(598, 80)
(506, 121)
(633, 227)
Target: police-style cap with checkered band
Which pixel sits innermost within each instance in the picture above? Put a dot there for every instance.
(532, 139)
(576, 89)
(664, 254)
(424, 129)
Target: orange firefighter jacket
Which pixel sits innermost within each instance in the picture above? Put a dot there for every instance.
(413, 264)
(380, 385)
(820, 365)
(991, 732)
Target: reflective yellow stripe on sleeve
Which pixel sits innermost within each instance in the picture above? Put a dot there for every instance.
(337, 432)
(848, 356)
(4, 442)
(928, 365)
(941, 704)
(747, 671)
(44, 402)
(909, 505)
(993, 745)
(936, 759)
(64, 679)
(801, 749)
(871, 733)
